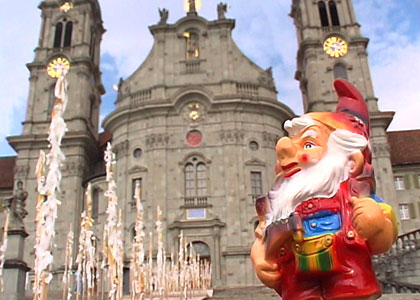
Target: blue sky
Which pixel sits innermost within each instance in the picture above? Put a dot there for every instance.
(264, 32)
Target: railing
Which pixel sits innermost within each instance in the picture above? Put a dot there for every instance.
(406, 243)
(141, 96)
(394, 287)
(195, 201)
(192, 66)
(393, 267)
(247, 89)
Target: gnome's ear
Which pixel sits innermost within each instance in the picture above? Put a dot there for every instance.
(351, 101)
(358, 161)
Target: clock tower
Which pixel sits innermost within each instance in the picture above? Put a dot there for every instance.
(70, 37)
(331, 46)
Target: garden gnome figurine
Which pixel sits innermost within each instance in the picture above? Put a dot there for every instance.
(321, 221)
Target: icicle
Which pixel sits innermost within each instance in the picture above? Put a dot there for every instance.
(47, 200)
(68, 264)
(112, 234)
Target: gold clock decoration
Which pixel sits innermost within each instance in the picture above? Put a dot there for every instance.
(66, 6)
(335, 46)
(194, 111)
(57, 66)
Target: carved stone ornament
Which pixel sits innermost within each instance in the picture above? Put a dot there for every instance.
(21, 170)
(121, 149)
(266, 78)
(233, 136)
(157, 140)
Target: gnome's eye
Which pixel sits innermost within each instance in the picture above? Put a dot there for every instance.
(309, 145)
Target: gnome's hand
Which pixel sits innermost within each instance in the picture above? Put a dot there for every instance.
(267, 271)
(368, 217)
(372, 225)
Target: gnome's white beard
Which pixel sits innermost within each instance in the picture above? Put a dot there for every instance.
(321, 180)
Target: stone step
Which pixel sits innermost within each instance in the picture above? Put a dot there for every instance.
(264, 293)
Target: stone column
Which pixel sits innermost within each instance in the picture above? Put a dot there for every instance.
(15, 268)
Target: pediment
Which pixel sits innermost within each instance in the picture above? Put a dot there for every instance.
(255, 162)
(137, 169)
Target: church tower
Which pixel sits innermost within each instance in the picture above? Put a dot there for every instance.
(331, 46)
(70, 37)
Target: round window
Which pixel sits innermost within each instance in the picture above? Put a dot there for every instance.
(137, 153)
(253, 145)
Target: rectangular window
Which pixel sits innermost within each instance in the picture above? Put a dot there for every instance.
(404, 212)
(256, 183)
(196, 213)
(133, 191)
(399, 183)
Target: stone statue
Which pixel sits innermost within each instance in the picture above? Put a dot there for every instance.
(322, 220)
(164, 13)
(16, 205)
(221, 10)
(191, 6)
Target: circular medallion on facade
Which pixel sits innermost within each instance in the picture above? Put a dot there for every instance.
(194, 138)
(66, 6)
(57, 66)
(335, 46)
(194, 112)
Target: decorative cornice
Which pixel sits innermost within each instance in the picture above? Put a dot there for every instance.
(20, 232)
(16, 264)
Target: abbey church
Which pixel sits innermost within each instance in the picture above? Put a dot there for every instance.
(195, 126)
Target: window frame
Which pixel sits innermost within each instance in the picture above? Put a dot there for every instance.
(399, 183)
(404, 211)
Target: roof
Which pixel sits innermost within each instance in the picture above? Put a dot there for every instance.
(7, 165)
(104, 138)
(404, 146)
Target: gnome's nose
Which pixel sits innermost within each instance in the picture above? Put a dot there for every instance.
(285, 148)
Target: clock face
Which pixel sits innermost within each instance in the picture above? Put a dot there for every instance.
(57, 66)
(335, 46)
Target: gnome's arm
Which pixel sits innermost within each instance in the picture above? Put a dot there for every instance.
(374, 222)
(264, 254)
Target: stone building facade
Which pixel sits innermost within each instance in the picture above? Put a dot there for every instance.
(196, 125)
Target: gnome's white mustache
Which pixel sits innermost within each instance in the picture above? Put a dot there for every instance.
(321, 180)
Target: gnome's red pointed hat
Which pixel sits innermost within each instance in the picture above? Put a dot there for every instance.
(351, 112)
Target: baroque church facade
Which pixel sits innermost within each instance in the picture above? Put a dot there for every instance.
(195, 125)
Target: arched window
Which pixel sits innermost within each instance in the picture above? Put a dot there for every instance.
(333, 13)
(67, 34)
(58, 34)
(201, 180)
(195, 178)
(95, 203)
(63, 33)
(323, 14)
(202, 249)
(340, 71)
(192, 45)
